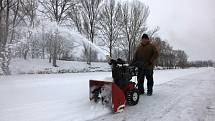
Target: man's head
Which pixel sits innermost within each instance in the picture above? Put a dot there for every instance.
(145, 39)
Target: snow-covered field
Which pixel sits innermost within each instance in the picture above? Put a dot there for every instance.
(179, 95)
(42, 66)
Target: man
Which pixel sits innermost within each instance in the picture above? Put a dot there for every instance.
(144, 59)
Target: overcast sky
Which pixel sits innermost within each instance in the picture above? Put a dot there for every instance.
(188, 25)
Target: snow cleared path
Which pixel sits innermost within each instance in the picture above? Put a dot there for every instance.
(179, 95)
(188, 98)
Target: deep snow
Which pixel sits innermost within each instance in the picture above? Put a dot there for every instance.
(179, 95)
(42, 66)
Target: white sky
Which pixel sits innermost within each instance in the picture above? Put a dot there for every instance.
(188, 25)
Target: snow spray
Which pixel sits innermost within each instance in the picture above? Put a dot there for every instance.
(71, 35)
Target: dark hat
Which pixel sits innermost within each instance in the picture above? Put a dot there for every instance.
(145, 36)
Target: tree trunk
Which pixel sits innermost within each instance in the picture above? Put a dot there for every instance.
(4, 29)
(5, 62)
(110, 54)
(54, 59)
(25, 55)
(43, 53)
(129, 51)
(50, 58)
(90, 56)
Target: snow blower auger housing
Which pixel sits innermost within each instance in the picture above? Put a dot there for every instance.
(118, 92)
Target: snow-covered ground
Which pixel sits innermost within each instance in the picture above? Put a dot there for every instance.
(42, 66)
(179, 95)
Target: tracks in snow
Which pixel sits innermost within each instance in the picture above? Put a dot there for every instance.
(189, 98)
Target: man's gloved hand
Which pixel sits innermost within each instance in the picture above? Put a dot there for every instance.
(131, 63)
(151, 62)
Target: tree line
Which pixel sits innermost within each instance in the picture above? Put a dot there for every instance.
(200, 63)
(168, 57)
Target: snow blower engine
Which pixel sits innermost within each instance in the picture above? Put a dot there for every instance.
(118, 92)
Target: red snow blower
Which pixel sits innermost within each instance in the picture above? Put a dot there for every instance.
(118, 92)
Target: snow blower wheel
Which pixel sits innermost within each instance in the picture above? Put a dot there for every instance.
(132, 97)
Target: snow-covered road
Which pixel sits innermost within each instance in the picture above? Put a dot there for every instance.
(179, 95)
(188, 98)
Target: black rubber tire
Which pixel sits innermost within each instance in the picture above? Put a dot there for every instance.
(132, 97)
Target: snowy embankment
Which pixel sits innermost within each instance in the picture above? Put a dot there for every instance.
(42, 66)
(179, 95)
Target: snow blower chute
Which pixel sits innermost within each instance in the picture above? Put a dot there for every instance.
(118, 92)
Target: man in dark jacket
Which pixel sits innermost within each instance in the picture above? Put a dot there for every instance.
(144, 59)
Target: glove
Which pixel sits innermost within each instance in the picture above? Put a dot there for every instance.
(151, 62)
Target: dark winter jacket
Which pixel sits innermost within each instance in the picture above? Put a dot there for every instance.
(146, 54)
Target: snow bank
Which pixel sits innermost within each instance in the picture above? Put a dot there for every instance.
(42, 66)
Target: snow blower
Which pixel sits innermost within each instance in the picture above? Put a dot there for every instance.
(120, 91)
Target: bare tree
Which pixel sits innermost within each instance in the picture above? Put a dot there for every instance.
(134, 24)
(152, 32)
(181, 58)
(28, 9)
(110, 24)
(85, 17)
(3, 36)
(90, 14)
(75, 17)
(168, 57)
(8, 14)
(56, 11)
